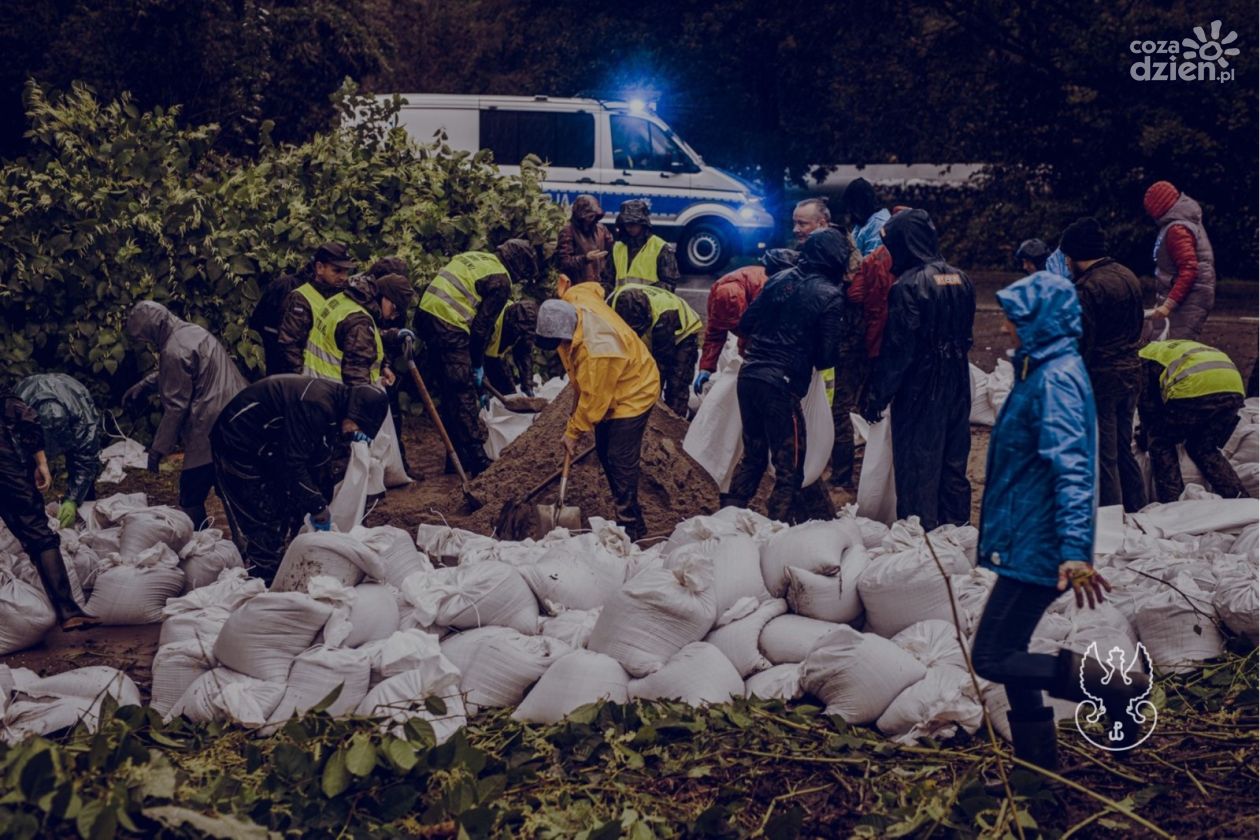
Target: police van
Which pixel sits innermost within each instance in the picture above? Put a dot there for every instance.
(614, 151)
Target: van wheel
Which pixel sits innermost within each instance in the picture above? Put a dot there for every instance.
(705, 247)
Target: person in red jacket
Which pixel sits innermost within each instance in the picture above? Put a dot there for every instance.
(869, 287)
(728, 300)
(1185, 265)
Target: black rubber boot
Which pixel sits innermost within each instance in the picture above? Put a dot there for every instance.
(1034, 739)
(52, 573)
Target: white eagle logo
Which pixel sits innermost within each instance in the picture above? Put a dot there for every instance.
(1127, 727)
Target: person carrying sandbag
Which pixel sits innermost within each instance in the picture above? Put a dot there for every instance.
(72, 426)
(271, 443)
(23, 478)
(195, 378)
(617, 384)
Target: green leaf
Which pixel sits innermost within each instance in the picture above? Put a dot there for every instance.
(335, 779)
(361, 757)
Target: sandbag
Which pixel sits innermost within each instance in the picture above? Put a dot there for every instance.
(904, 585)
(873, 532)
(200, 614)
(698, 675)
(1247, 542)
(573, 627)
(316, 553)
(502, 427)
(934, 643)
(26, 615)
(143, 529)
(350, 496)
(202, 626)
(108, 512)
(373, 615)
(698, 529)
(267, 632)
(934, 707)
(316, 673)
(1237, 601)
(781, 682)
(175, 667)
(877, 491)
(205, 555)
(858, 675)
(387, 454)
(815, 546)
(396, 551)
(134, 588)
(490, 593)
(714, 440)
(739, 641)
(82, 561)
(410, 650)
(982, 412)
(45, 705)
(573, 680)
(655, 615)
(736, 563)
(1178, 635)
(562, 580)
(790, 638)
(1196, 516)
(104, 542)
(818, 595)
(226, 695)
(505, 666)
(403, 696)
(820, 430)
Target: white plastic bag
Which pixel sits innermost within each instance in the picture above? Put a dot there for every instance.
(143, 529)
(858, 675)
(573, 680)
(740, 640)
(350, 497)
(205, 555)
(133, 589)
(175, 667)
(698, 675)
(265, 633)
(714, 439)
(782, 682)
(790, 638)
(820, 430)
(387, 455)
(316, 673)
(981, 408)
(337, 555)
(877, 488)
(26, 615)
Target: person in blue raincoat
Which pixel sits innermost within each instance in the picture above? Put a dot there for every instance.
(1037, 516)
(861, 207)
(72, 426)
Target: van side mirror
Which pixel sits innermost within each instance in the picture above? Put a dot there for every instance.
(678, 165)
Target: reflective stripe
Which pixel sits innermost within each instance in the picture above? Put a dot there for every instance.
(323, 357)
(463, 306)
(494, 350)
(1192, 369)
(643, 268)
(452, 295)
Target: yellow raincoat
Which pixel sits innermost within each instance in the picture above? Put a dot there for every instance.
(610, 367)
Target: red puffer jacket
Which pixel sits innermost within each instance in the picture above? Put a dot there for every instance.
(728, 300)
(869, 288)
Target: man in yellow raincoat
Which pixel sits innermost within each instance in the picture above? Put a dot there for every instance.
(616, 382)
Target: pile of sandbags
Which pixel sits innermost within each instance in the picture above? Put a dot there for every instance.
(989, 391)
(34, 705)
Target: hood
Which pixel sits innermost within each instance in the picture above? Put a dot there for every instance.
(634, 308)
(826, 252)
(1184, 209)
(151, 322)
(366, 405)
(635, 211)
(911, 240)
(859, 202)
(1046, 313)
(520, 259)
(586, 211)
(775, 260)
(388, 265)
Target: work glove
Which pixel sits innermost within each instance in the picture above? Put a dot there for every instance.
(66, 513)
(872, 413)
(155, 461)
(134, 394)
(322, 521)
(360, 437)
(701, 378)
(483, 400)
(479, 376)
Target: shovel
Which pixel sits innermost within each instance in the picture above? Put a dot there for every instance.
(472, 501)
(559, 515)
(516, 403)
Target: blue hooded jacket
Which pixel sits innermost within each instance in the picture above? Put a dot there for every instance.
(1041, 481)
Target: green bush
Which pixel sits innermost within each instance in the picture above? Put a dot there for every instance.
(115, 205)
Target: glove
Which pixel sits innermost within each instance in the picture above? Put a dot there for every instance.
(321, 521)
(66, 513)
(134, 394)
(359, 437)
(871, 413)
(483, 400)
(406, 335)
(155, 461)
(701, 378)
(479, 376)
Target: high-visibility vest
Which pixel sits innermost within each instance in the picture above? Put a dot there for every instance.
(662, 301)
(495, 350)
(452, 296)
(314, 299)
(323, 356)
(643, 268)
(1192, 370)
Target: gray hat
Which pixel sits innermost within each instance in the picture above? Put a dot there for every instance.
(556, 319)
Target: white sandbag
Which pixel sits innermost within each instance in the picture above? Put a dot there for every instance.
(49, 704)
(714, 439)
(1249, 474)
(934, 643)
(573, 680)
(1196, 517)
(396, 551)
(573, 627)
(462, 648)
(1177, 636)
(373, 615)
(790, 638)
(1237, 600)
(904, 585)
(26, 615)
(1104, 624)
(226, 695)
(478, 595)
(997, 704)
(505, 666)
(873, 532)
(386, 453)
(1247, 543)
(698, 529)
(877, 490)
(316, 673)
(858, 675)
(1001, 381)
(82, 561)
(934, 707)
(562, 579)
(815, 546)
(143, 529)
(782, 682)
(104, 542)
(120, 456)
(350, 496)
(200, 614)
(409, 650)
(337, 555)
(820, 430)
(818, 595)
(982, 411)
(655, 615)
(736, 562)
(201, 625)
(175, 667)
(205, 555)
(740, 640)
(964, 537)
(698, 675)
(404, 696)
(108, 512)
(133, 588)
(503, 427)
(439, 541)
(265, 633)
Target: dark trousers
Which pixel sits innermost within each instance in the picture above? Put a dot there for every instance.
(1119, 476)
(1000, 650)
(455, 389)
(1203, 425)
(850, 379)
(931, 437)
(774, 431)
(395, 410)
(499, 374)
(22, 507)
(258, 512)
(677, 369)
(194, 489)
(619, 445)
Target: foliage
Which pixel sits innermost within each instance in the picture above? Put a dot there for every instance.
(116, 205)
(747, 768)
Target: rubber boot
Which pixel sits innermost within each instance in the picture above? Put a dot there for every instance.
(56, 580)
(1034, 739)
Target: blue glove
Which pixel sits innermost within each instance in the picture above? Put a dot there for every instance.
(479, 376)
(325, 524)
(701, 378)
(359, 437)
(483, 400)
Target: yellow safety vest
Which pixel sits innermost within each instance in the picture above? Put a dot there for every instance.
(452, 296)
(662, 301)
(313, 298)
(829, 384)
(1192, 370)
(493, 349)
(323, 356)
(643, 269)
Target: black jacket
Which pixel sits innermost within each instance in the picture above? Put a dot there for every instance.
(795, 324)
(1111, 320)
(931, 308)
(285, 427)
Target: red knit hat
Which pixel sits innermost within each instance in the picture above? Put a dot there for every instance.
(1160, 197)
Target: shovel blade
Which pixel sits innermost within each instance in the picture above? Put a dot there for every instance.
(549, 517)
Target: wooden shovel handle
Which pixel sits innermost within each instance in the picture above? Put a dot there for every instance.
(437, 420)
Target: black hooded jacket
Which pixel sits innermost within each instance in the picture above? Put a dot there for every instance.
(285, 427)
(931, 308)
(794, 326)
(859, 201)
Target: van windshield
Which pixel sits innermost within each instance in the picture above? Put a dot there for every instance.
(641, 144)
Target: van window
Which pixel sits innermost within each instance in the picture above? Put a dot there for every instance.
(559, 138)
(640, 144)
